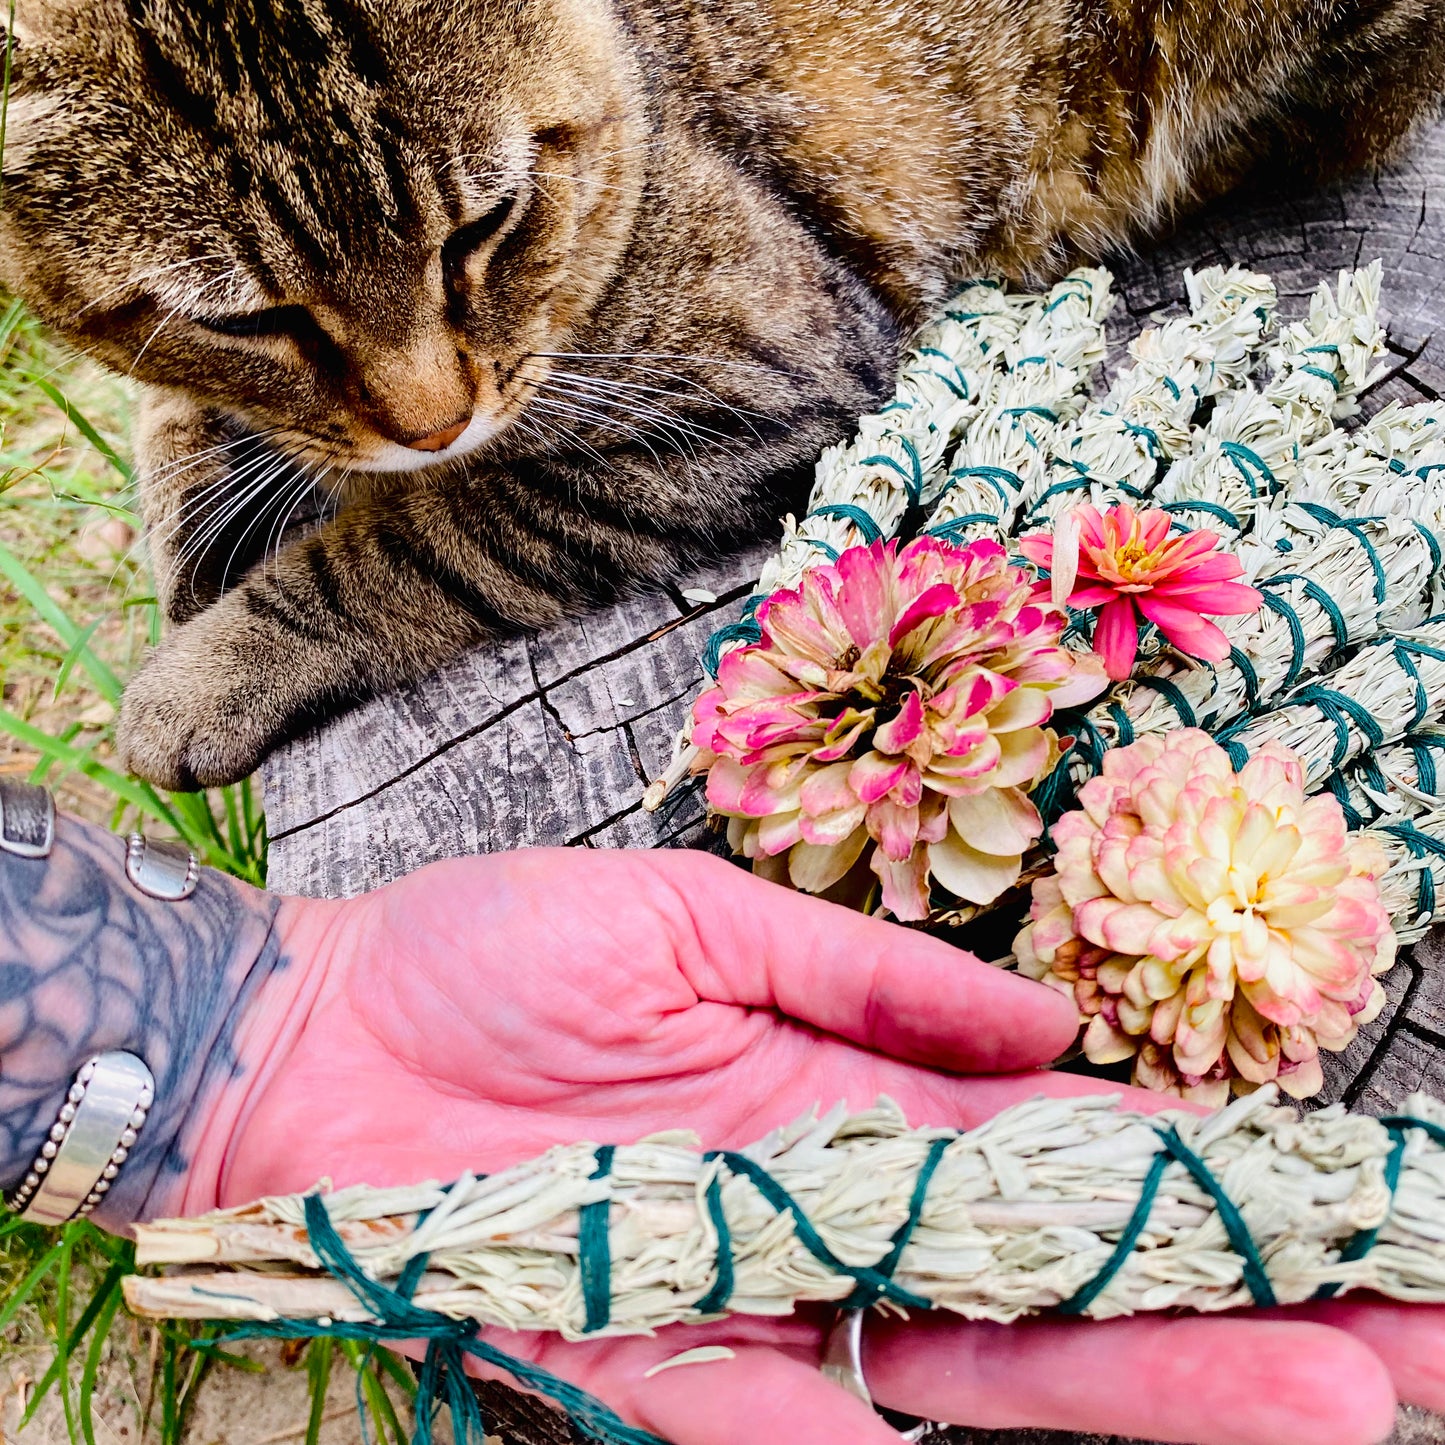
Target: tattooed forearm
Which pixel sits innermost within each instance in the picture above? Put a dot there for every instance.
(88, 963)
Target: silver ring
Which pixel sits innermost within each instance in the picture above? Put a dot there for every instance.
(167, 871)
(843, 1355)
(843, 1364)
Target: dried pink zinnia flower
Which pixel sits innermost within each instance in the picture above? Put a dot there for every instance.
(1127, 565)
(897, 698)
(1217, 927)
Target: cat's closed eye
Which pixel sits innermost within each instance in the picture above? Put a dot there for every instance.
(467, 238)
(291, 322)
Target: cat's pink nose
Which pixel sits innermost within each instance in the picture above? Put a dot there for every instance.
(439, 441)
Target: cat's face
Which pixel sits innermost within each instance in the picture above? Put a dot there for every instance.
(359, 225)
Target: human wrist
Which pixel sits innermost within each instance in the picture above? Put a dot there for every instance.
(308, 936)
(87, 964)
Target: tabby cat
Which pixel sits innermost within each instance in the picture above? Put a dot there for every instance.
(541, 299)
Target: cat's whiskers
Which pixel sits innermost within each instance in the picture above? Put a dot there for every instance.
(548, 431)
(679, 434)
(187, 303)
(582, 413)
(189, 502)
(604, 392)
(212, 526)
(644, 396)
(253, 522)
(161, 531)
(742, 413)
(625, 356)
(155, 271)
(276, 534)
(251, 482)
(589, 409)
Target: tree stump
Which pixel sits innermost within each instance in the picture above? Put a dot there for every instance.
(551, 739)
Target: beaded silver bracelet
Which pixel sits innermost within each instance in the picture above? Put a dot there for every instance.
(99, 1123)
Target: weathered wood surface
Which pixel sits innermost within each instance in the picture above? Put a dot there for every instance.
(551, 739)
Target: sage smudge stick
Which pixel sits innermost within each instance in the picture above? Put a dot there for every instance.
(1072, 1203)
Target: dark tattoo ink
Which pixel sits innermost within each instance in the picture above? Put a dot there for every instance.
(88, 963)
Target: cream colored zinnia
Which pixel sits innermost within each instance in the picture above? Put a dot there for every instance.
(1218, 928)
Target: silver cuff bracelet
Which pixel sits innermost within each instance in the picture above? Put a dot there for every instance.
(99, 1123)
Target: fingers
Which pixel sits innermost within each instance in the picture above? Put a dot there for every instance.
(887, 987)
(1225, 1381)
(761, 1396)
(770, 1392)
(1409, 1339)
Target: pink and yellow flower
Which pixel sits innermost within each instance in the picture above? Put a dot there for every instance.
(1126, 564)
(1217, 928)
(897, 702)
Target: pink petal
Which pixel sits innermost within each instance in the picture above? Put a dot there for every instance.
(1094, 595)
(895, 828)
(1037, 547)
(873, 776)
(1116, 638)
(827, 791)
(905, 885)
(1185, 628)
(863, 597)
(937, 600)
(1220, 567)
(895, 736)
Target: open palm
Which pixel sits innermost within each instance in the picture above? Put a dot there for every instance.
(482, 1010)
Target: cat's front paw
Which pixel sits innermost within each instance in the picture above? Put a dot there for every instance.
(197, 715)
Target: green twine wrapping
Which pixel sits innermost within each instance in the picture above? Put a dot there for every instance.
(442, 1378)
(870, 529)
(594, 1250)
(873, 1280)
(1249, 464)
(1240, 1239)
(1364, 1241)
(448, 1343)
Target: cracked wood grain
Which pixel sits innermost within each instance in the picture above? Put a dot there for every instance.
(550, 739)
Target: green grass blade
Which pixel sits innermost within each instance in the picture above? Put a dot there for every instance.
(318, 1376)
(83, 426)
(139, 795)
(27, 1286)
(10, 323)
(106, 1296)
(29, 587)
(63, 1340)
(103, 1320)
(77, 648)
(400, 1375)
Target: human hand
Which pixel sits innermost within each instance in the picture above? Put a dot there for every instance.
(476, 1013)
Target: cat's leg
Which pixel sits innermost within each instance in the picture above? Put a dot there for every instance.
(378, 596)
(212, 493)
